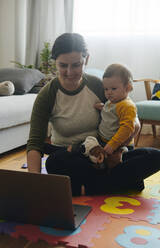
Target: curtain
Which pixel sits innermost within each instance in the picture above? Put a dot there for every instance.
(19, 27)
(39, 21)
(7, 32)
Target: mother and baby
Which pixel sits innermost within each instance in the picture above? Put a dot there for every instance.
(93, 125)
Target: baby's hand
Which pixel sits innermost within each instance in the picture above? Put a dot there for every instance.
(108, 149)
(99, 105)
(114, 159)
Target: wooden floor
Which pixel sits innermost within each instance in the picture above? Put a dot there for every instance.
(13, 160)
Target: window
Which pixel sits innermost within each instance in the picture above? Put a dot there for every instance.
(116, 16)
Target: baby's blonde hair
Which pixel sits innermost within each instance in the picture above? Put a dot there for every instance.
(121, 71)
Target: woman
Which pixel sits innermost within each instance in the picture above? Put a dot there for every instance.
(68, 103)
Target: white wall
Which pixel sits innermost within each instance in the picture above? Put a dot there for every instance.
(7, 32)
(140, 53)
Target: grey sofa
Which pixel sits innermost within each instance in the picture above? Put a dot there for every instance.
(15, 109)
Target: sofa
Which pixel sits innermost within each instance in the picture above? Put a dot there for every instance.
(16, 104)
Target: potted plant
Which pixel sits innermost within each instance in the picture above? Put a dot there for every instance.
(47, 64)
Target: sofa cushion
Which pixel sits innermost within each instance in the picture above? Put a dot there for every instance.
(42, 83)
(148, 110)
(23, 79)
(16, 110)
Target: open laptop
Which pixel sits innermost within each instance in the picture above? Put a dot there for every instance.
(39, 199)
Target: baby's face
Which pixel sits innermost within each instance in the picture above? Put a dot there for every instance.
(114, 89)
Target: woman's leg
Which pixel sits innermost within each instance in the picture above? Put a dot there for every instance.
(137, 165)
(73, 165)
(80, 170)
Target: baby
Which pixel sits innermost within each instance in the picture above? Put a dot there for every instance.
(118, 116)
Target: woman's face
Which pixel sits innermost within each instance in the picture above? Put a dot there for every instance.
(70, 69)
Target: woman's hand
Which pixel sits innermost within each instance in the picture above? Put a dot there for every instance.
(137, 127)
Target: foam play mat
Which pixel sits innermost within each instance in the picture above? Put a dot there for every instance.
(129, 220)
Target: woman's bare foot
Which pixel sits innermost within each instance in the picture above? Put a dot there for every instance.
(69, 148)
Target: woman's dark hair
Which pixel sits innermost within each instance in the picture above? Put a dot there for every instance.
(119, 71)
(67, 43)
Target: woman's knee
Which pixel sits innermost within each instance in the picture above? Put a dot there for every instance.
(51, 165)
(56, 164)
(138, 152)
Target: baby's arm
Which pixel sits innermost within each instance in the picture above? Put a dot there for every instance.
(108, 149)
(127, 118)
(99, 105)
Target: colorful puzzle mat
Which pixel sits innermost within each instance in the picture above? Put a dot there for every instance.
(129, 220)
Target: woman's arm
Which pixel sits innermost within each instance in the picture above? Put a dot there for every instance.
(34, 161)
(38, 127)
(135, 133)
(137, 127)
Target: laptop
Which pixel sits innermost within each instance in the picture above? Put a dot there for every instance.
(39, 199)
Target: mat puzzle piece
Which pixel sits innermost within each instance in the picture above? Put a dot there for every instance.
(128, 234)
(105, 208)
